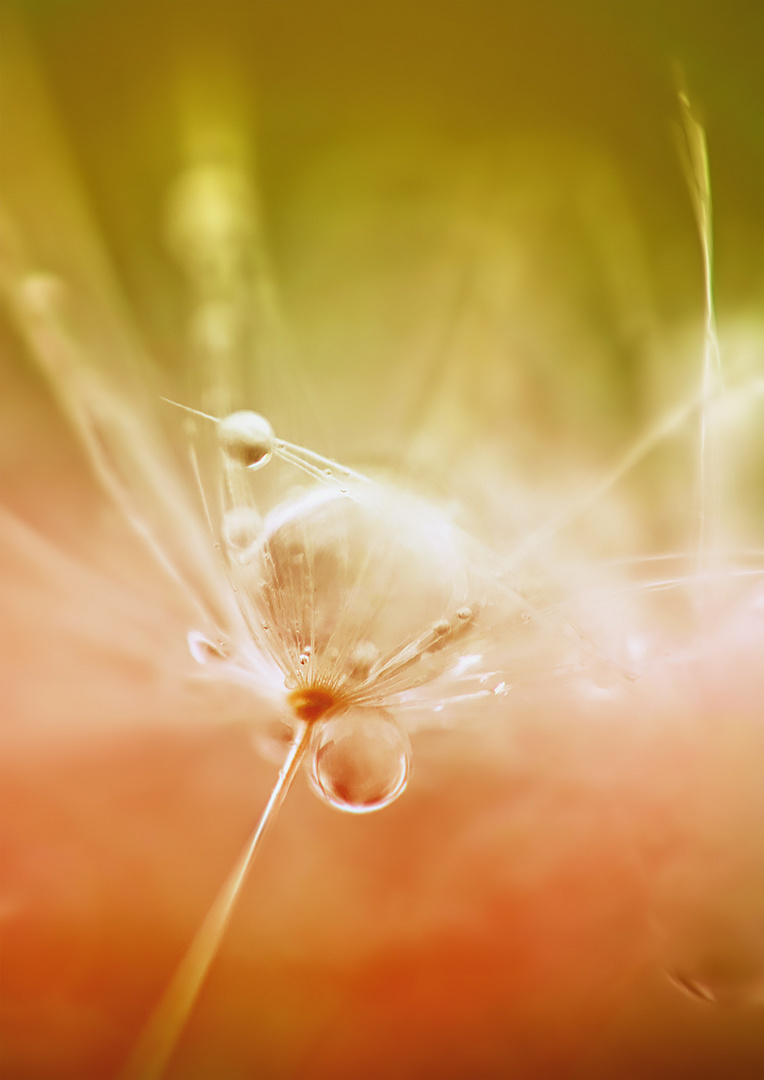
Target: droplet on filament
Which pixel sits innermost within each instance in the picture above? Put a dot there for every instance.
(246, 439)
(361, 760)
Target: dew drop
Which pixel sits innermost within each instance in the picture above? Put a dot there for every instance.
(241, 532)
(361, 760)
(246, 439)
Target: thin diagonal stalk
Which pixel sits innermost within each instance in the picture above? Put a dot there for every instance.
(159, 1037)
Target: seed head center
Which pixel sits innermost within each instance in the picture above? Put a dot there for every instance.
(310, 703)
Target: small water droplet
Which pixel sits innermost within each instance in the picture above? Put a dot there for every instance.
(246, 439)
(464, 614)
(526, 617)
(361, 760)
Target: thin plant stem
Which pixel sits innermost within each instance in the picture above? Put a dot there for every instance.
(158, 1039)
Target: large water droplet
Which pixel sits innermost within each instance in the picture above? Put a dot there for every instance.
(246, 438)
(361, 760)
(241, 531)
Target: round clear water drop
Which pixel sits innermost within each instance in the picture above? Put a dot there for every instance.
(361, 760)
(246, 439)
(242, 527)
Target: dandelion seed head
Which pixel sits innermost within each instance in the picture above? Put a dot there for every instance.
(364, 594)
